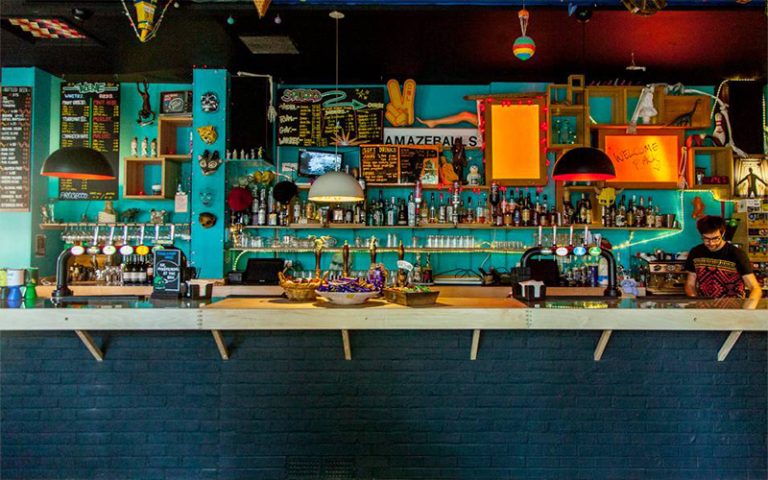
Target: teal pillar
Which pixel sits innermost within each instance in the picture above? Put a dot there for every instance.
(207, 244)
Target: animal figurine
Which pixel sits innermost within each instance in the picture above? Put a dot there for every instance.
(698, 208)
(129, 216)
(146, 115)
(473, 177)
(685, 119)
(145, 147)
(153, 148)
(135, 147)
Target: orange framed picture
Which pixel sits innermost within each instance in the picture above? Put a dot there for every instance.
(514, 153)
(648, 159)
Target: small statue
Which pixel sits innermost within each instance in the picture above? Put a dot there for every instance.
(144, 147)
(135, 147)
(473, 177)
(44, 217)
(153, 148)
(459, 160)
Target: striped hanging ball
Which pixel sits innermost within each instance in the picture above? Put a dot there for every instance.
(524, 48)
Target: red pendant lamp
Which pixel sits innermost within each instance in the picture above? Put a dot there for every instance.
(584, 164)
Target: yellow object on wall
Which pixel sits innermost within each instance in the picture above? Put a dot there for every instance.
(400, 111)
(513, 143)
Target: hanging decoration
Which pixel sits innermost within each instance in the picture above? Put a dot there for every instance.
(262, 6)
(524, 46)
(145, 25)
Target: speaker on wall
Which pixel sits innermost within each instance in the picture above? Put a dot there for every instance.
(745, 110)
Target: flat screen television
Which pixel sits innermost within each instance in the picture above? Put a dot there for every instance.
(313, 163)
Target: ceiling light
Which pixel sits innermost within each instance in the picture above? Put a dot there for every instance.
(584, 164)
(79, 163)
(334, 187)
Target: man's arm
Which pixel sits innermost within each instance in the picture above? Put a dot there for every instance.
(750, 281)
(690, 284)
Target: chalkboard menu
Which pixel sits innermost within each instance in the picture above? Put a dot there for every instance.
(15, 136)
(90, 117)
(396, 163)
(310, 117)
(379, 163)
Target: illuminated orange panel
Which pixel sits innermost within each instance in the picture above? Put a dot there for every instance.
(643, 158)
(515, 145)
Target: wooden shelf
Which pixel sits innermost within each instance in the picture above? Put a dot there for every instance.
(135, 172)
(144, 197)
(167, 133)
(449, 226)
(178, 158)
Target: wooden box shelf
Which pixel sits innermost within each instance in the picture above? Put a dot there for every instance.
(718, 161)
(136, 173)
(167, 136)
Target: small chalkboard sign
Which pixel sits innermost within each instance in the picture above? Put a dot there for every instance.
(380, 163)
(168, 267)
(412, 159)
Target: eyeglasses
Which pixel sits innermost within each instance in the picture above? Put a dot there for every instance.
(711, 239)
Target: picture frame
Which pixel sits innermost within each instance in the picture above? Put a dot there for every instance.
(750, 177)
(177, 102)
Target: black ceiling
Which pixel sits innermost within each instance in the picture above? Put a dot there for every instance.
(433, 45)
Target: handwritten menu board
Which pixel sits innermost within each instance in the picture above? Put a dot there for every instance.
(310, 117)
(15, 136)
(395, 163)
(90, 117)
(380, 163)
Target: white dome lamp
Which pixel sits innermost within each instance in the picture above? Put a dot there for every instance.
(336, 187)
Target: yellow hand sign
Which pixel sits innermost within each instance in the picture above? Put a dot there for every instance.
(400, 107)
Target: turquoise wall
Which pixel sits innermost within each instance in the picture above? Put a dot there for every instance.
(207, 251)
(435, 101)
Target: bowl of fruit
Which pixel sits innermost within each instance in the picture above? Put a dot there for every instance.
(347, 291)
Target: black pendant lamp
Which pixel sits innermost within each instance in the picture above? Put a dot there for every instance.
(583, 164)
(79, 163)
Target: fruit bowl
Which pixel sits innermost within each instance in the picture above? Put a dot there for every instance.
(347, 298)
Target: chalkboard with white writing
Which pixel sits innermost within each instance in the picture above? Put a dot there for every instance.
(90, 117)
(312, 117)
(15, 136)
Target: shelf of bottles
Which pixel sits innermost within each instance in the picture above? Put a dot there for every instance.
(461, 207)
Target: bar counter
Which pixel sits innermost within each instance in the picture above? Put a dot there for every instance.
(449, 313)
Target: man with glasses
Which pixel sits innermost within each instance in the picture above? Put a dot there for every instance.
(717, 268)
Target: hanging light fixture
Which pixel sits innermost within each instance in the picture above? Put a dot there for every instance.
(79, 163)
(145, 26)
(584, 164)
(336, 187)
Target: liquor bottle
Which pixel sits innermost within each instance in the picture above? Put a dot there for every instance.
(650, 214)
(423, 213)
(442, 211)
(469, 213)
(588, 208)
(432, 209)
(482, 213)
(568, 209)
(391, 214)
(517, 217)
(496, 195)
(411, 214)
(641, 213)
(402, 215)
(150, 269)
(525, 214)
(128, 270)
(449, 213)
(621, 214)
(349, 214)
(630, 215)
(296, 211)
(141, 270)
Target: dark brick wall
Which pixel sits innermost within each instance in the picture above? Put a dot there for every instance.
(409, 406)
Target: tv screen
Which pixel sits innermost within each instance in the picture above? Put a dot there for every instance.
(315, 163)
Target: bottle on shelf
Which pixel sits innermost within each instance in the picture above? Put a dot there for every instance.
(411, 218)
